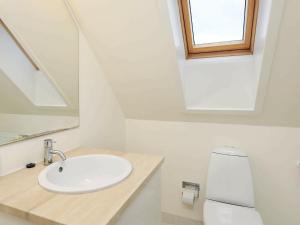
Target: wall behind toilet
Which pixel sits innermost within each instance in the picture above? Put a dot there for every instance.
(102, 122)
(273, 152)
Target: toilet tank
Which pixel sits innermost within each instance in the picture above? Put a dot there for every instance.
(229, 178)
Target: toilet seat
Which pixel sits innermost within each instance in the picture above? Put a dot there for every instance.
(217, 213)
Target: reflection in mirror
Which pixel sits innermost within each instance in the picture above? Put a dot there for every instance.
(38, 69)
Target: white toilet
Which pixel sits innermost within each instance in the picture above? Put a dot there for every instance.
(230, 195)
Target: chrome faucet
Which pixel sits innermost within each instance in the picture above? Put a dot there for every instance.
(49, 152)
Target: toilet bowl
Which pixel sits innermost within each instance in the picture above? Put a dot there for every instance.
(230, 195)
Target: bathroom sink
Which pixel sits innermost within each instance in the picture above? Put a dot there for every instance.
(84, 173)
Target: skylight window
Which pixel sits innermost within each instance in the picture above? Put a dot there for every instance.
(218, 27)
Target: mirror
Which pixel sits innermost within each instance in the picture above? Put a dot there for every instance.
(39, 74)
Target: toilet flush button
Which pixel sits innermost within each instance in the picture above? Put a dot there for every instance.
(298, 164)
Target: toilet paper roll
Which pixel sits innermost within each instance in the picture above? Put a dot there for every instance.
(188, 197)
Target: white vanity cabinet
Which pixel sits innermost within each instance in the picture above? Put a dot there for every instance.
(145, 208)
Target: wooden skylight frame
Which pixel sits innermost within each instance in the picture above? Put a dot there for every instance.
(233, 48)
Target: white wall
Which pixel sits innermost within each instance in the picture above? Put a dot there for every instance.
(273, 153)
(102, 120)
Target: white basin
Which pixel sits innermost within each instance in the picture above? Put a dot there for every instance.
(85, 173)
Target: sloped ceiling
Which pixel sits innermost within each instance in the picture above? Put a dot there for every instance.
(133, 43)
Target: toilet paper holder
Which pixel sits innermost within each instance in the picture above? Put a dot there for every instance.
(193, 187)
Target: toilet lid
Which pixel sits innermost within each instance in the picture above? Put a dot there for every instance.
(216, 213)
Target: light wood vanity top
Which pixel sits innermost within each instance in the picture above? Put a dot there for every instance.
(22, 196)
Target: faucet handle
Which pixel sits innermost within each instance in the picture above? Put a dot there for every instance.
(48, 143)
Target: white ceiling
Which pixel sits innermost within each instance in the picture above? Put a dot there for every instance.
(133, 42)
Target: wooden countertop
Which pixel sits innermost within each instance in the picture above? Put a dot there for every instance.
(22, 196)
